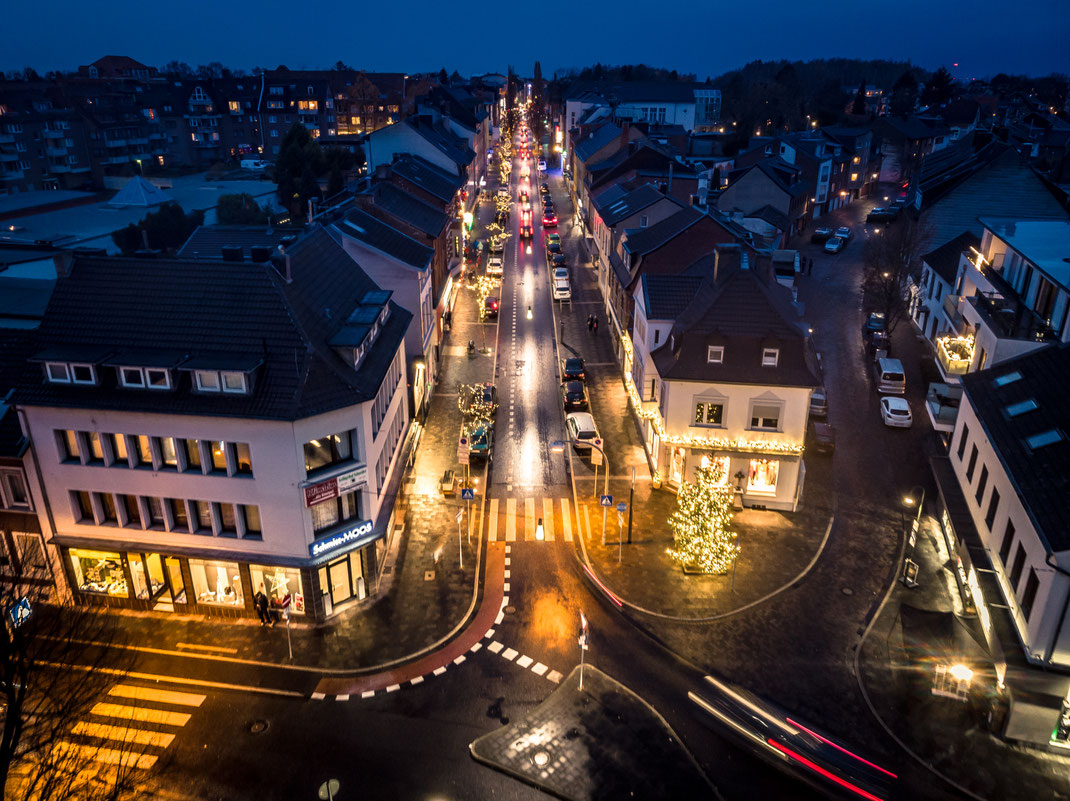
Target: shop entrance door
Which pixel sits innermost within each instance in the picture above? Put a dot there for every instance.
(341, 582)
(176, 587)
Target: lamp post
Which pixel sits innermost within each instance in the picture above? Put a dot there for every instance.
(909, 500)
(558, 446)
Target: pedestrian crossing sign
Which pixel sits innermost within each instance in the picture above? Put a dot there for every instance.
(467, 494)
(606, 500)
(20, 612)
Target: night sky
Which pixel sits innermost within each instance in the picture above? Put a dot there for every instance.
(706, 38)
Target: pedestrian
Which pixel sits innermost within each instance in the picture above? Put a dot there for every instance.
(273, 612)
(260, 601)
(596, 323)
(590, 321)
(810, 265)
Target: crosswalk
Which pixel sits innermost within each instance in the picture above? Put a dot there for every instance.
(131, 727)
(517, 519)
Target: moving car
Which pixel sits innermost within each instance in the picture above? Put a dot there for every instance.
(843, 232)
(562, 290)
(834, 245)
(494, 265)
(523, 196)
(821, 235)
(525, 231)
(573, 369)
(549, 220)
(889, 214)
(490, 306)
(581, 429)
(895, 412)
(574, 395)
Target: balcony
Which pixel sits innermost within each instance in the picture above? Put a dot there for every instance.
(942, 405)
(7, 139)
(55, 152)
(141, 140)
(1009, 318)
(8, 157)
(58, 168)
(115, 143)
(50, 134)
(954, 354)
(11, 175)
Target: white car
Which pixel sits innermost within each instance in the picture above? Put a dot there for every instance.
(494, 265)
(834, 245)
(542, 166)
(560, 273)
(581, 429)
(895, 412)
(562, 290)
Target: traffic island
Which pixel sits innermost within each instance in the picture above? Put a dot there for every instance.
(595, 743)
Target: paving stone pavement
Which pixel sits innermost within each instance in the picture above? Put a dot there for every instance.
(595, 743)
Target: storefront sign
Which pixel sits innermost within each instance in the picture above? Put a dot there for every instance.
(336, 541)
(299, 603)
(333, 487)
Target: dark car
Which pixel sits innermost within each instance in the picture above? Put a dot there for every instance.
(874, 322)
(490, 306)
(559, 260)
(889, 214)
(821, 235)
(502, 218)
(553, 249)
(574, 394)
(478, 400)
(544, 187)
(480, 437)
(525, 231)
(573, 370)
(824, 438)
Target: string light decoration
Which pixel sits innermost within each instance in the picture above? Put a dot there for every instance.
(700, 523)
(485, 287)
(476, 402)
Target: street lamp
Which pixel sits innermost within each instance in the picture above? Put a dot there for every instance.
(558, 446)
(910, 500)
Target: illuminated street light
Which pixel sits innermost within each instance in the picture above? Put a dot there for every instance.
(961, 673)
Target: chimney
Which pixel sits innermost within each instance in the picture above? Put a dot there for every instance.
(280, 259)
(259, 254)
(63, 261)
(232, 253)
(623, 133)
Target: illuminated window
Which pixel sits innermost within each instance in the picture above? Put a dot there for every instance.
(234, 105)
(709, 414)
(854, 176)
(763, 475)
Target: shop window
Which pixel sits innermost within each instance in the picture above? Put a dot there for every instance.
(251, 518)
(242, 458)
(69, 446)
(131, 511)
(117, 445)
(278, 582)
(216, 583)
(204, 517)
(228, 526)
(1032, 584)
(83, 507)
(146, 575)
(99, 572)
(107, 508)
(765, 416)
(326, 451)
(144, 451)
(219, 456)
(337, 510)
(179, 516)
(763, 475)
(193, 455)
(709, 414)
(95, 448)
(13, 494)
(168, 456)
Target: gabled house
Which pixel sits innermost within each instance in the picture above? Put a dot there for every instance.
(722, 373)
(421, 135)
(904, 141)
(769, 184)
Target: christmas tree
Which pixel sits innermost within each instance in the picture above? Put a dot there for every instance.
(700, 523)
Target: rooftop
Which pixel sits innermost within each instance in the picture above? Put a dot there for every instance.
(1044, 241)
(360, 225)
(945, 259)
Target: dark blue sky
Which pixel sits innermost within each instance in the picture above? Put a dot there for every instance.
(707, 38)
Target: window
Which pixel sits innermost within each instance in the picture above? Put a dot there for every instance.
(158, 379)
(83, 507)
(993, 507)
(972, 464)
(326, 451)
(58, 372)
(132, 377)
(643, 220)
(337, 510)
(251, 517)
(962, 440)
(168, 456)
(1032, 584)
(1005, 546)
(68, 442)
(192, 450)
(144, 451)
(216, 583)
(95, 448)
(1049, 437)
(763, 475)
(234, 382)
(1016, 567)
(31, 551)
(99, 572)
(206, 380)
(83, 374)
(178, 514)
(1006, 378)
(770, 357)
(228, 526)
(1016, 409)
(131, 511)
(13, 494)
(117, 445)
(765, 416)
(243, 460)
(715, 354)
(107, 507)
(982, 485)
(709, 414)
(657, 335)
(219, 456)
(280, 582)
(204, 517)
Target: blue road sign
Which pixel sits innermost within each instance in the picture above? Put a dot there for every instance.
(606, 500)
(622, 507)
(20, 612)
(467, 494)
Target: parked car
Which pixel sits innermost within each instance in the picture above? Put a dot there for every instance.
(821, 235)
(573, 369)
(553, 238)
(549, 220)
(581, 429)
(843, 232)
(562, 290)
(544, 187)
(542, 166)
(497, 244)
(490, 306)
(889, 376)
(819, 403)
(480, 434)
(824, 438)
(874, 322)
(494, 265)
(895, 412)
(878, 215)
(561, 273)
(553, 249)
(574, 395)
(834, 245)
(479, 400)
(559, 262)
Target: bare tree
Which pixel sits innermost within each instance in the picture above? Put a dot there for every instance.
(55, 666)
(892, 259)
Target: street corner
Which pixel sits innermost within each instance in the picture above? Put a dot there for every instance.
(591, 739)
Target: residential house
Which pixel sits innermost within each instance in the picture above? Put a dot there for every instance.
(770, 197)
(206, 427)
(904, 141)
(424, 137)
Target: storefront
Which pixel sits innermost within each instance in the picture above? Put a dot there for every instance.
(761, 481)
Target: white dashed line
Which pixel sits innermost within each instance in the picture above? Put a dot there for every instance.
(508, 560)
(476, 647)
(554, 676)
(341, 697)
(458, 660)
(507, 586)
(367, 694)
(439, 671)
(489, 634)
(524, 661)
(318, 696)
(417, 680)
(495, 647)
(508, 548)
(498, 620)
(505, 601)
(393, 688)
(507, 572)
(539, 669)
(509, 654)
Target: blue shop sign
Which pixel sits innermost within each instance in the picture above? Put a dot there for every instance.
(344, 537)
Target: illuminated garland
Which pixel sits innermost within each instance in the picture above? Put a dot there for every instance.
(471, 402)
(950, 346)
(700, 523)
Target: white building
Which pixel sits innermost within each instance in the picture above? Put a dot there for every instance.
(1004, 490)
(204, 427)
(722, 371)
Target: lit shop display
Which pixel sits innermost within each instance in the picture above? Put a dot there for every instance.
(216, 583)
(763, 475)
(99, 572)
(278, 583)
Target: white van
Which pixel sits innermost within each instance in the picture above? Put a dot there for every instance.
(254, 164)
(891, 380)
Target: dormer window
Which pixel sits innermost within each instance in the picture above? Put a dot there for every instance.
(58, 372)
(770, 357)
(206, 380)
(83, 374)
(156, 378)
(715, 354)
(234, 382)
(132, 377)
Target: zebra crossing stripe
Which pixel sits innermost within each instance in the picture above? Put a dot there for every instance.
(510, 519)
(529, 519)
(140, 714)
(566, 519)
(492, 526)
(155, 739)
(548, 518)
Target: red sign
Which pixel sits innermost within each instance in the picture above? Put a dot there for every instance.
(317, 493)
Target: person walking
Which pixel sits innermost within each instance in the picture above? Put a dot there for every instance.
(596, 324)
(260, 601)
(590, 321)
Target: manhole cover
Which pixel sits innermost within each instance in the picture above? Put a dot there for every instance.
(429, 575)
(510, 609)
(847, 591)
(258, 727)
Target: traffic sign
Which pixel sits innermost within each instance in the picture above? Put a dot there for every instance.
(20, 612)
(596, 451)
(605, 500)
(622, 506)
(584, 641)
(460, 514)
(467, 494)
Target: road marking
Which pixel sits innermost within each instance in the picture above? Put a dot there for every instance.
(108, 756)
(140, 714)
(158, 696)
(587, 521)
(524, 661)
(566, 519)
(439, 671)
(367, 694)
(495, 647)
(529, 519)
(417, 680)
(475, 647)
(216, 648)
(498, 620)
(554, 676)
(492, 526)
(507, 572)
(510, 520)
(539, 669)
(318, 696)
(507, 586)
(509, 654)
(459, 660)
(489, 634)
(124, 734)
(344, 697)
(548, 519)
(393, 688)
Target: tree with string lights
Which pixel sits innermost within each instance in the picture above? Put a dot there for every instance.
(700, 523)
